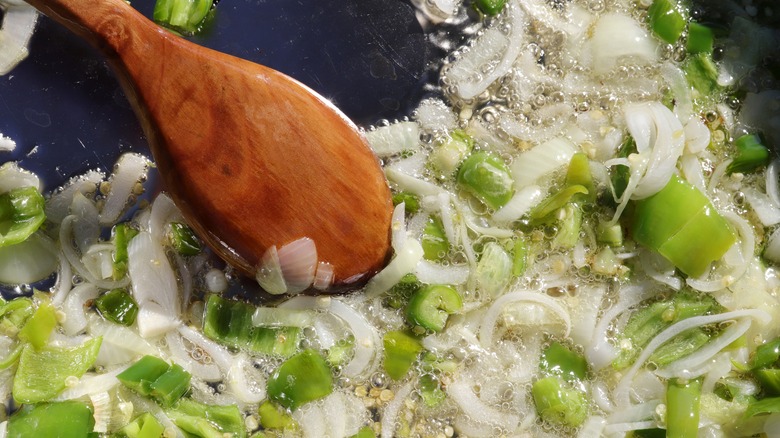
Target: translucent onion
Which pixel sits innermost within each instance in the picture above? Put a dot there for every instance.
(621, 392)
(434, 115)
(398, 227)
(475, 409)
(283, 317)
(488, 324)
(410, 183)
(153, 278)
(86, 229)
(402, 263)
(18, 26)
(772, 250)
(75, 320)
(683, 103)
(393, 410)
(390, 140)
(737, 258)
(269, 273)
(73, 257)
(773, 181)
(58, 205)
(14, 177)
(92, 383)
(130, 169)
(101, 406)
(120, 344)
(437, 273)
(541, 160)
(618, 39)
(477, 68)
(32, 260)
(521, 203)
(162, 212)
(593, 427)
(767, 211)
(245, 381)
(203, 369)
(367, 341)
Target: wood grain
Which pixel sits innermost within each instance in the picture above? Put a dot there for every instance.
(251, 156)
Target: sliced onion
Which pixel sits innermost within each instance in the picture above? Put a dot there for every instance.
(14, 177)
(772, 250)
(130, 169)
(71, 254)
(773, 181)
(767, 211)
(153, 278)
(436, 273)
(101, 406)
(269, 273)
(203, 368)
(488, 324)
(58, 205)
(162, 212)
(541, 160)
(219, 354)
(410, 183)
(86, 229)
(153, 320)
(245, 381)
(621, 393)
(683, 105)
(390, 140)
(475, 409)
(99, 260)
(75, 319)
(491, 55)
(92, 383)
(323, 278)
(697, 135)
(312, 420)
(282, 317)
(393, 410)
(29, 261)
(7, 144)
(367, 341)
(521, 203)
(434, 115)
(18, 26)
(403, 263)
(737, 258)
(120, 344)
(593, 427)
(298, 262)
(398, 227)
(618, 39)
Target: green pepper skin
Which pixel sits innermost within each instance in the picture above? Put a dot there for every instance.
(751, 154)
(184, 240)
(486, 176)
(682, 408)
(558, 360)
(300, 379)
(700, 38)
(401, 351)
(434, 242)
(490, 7)
(681, 224)
(38, 328)
(70, 419)
(432, 305)
(117, 306)
(558, 404)
(667, 23)
(21, 214)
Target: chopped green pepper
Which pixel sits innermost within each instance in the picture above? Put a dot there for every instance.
(300, 379)
(681, 224)
(153, 377)
(682, 408)
(430, 390)
(42, 373)
(21, 214)
(446, 157)
(121, 235)
(399, 294)
(767, 405)
(229, 322)
(70, 419)
(519, 257)
(486, 176)
(190, 416)
(702, 73)
(117, 306)
(578, 174)
(766, 354)
(272, 417)
(411, 201)
(184, 240)
(751, 154)
(14, 314)
(364, 432)
(401, 351)
(143, 426)
(38, 328)
(665, 21)
(558, 404)
(559, 360)
(700, 38)
(434, 242)
(680, 346)
(490, 7)
(542, 212)
(431, 306)
(182, 15)
(769, 378)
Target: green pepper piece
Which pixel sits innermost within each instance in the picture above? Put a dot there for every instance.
(121, 235)
(411, 201)
(364, 432)
(558, 360)
(751, 154)
(700, 38)
(568, 227)
(341, 352)
(21, 214)
(184, 240)
(117, 306)
(519, 257)
(486, 176)
(181, 15)
(578, 174)
(665, 21)
(769, 378)
(434, 241)
(229, 322)
(14, 314)
(490, 7)
(558, 404)
(171, 385)
(38, 328)
(143, 426)
(682, 408)
(446, 157)
(70, 419)
(430, 390)
(143, 373)
(648, 433)
(679, 346)
(12, 358)
(542, 212)
(612, 235)
(272, 417)
(769, 405)
(679, 219)
(202, 420)
(401, 351)
(702, 74)
(300, 379)
(766, 354)
(432, 305)
(399, 294)
(41, 374)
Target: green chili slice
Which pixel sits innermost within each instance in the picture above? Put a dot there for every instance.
(21, 214)
(300, 379)
(487, 177)
(434, 242)
(184, 240)
(682, 408)
(559, 404)
(751, 154)
(401, 351)
(431, 306)
(490, 7)
(665, 21)
(117, 306)
(559, 360)
(38, 328)
(143, 426)
(700, 38)
(70, 419)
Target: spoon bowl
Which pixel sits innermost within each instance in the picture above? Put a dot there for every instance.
(253, 158)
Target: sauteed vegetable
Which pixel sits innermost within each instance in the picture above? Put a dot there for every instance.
(585, 244)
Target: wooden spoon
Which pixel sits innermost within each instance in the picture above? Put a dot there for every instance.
(253, 158)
